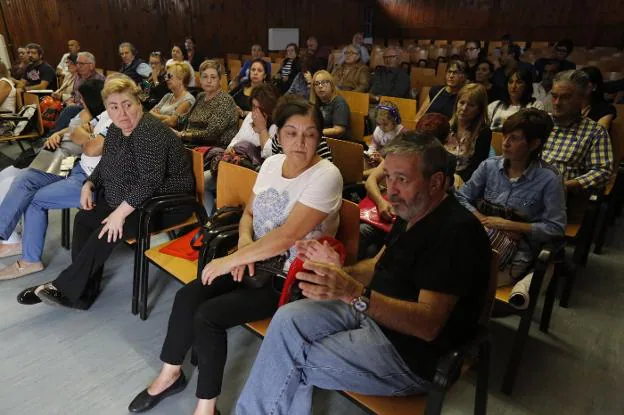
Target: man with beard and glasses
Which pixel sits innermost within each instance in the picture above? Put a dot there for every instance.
(380, 326)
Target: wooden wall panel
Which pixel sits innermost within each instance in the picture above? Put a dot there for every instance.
(219, 26)
(586, 22)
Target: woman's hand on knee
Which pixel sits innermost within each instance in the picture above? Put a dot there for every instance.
(239, 272)
(113, 225)
(215, 268)
(86, 196)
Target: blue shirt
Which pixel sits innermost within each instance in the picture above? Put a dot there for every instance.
(538, 196)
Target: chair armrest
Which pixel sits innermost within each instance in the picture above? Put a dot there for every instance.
(449, 365)
(166, 197)
(162, 202)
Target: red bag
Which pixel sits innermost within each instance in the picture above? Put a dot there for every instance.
(50, 109)
(297, 265)
(369, 214)
(181, 247)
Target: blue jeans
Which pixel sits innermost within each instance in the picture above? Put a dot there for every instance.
(32, 194)
(328, 345)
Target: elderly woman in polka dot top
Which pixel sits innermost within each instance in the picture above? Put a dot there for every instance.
(142, 157)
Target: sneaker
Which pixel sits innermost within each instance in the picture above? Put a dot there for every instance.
(19, 269)
(51, 295)
(7, 250)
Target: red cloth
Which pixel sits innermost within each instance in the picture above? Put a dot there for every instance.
(297, 266)
(181, 247)
(369, 214)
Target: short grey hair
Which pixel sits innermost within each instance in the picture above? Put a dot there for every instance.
(130, 46)
(87, 55)
(433, 155)
(355, 49)
(576, 77)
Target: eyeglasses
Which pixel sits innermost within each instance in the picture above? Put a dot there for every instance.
(349, 52)
(454, 73)
(323, 82)
(168, 76)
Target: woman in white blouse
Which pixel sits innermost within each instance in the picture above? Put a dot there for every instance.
(518, 95)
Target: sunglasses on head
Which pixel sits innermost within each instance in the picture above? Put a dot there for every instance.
(168, 76)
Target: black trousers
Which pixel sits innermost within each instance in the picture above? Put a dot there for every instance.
(90, 253)
(200, 317)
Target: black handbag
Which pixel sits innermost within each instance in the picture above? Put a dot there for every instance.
(265, 272)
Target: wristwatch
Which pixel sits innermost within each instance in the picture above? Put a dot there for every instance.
(361, 303)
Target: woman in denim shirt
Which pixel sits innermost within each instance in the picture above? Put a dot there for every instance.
(519, 180)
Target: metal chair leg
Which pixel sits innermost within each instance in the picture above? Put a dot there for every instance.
(144, 269)
(65, 228)
(136, 277)
(549, 301)
(483, 377)
(568, 283)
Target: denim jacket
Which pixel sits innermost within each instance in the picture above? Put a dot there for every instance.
(538, 196)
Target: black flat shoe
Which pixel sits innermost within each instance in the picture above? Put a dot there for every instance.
(28, 296)
(51, 295)
(144, 401)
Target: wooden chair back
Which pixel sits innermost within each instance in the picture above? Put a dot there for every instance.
(491, 292)
(109, 72)
(197, 84)
(358, 101)
(441, 69)
(420, 77)
(234, 65)
(197, 167)
(19, 99)
(34, 99)
(348, 157)
(497, 142)
(349, 230)
(275, 67)
(407, 107)
(234, 184)
(246, 58)
(223, 82)
(422, 95)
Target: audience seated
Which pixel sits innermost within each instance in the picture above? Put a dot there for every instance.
(372, 238)
(192, 55)
(297, 195)
(335, 110)
(284, 78)
(178, 55)
(213, 120)
(470, 136)
(258, 71)
(483, 76)
(441, 99)
(253, 142)
(34, 191)
(257, 53)
(380, 327)
(352, 74)
(64, 91)
(510, 62)
(141, 158)
(541, 90)
(518, 193)
(19, 68)
(321, 53)
(389, 80)
(472, 56)
(578, 146)
(179, 101)
(7, 91)
(156, 87)
(38, 74)
(131, 65)
(303, 81)
(74, 47)
(85, 69)
(517, 95)
(388, 126)
(595, 106)
(358, 43)
(560, 51)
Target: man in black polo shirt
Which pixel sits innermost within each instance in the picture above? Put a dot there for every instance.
(380, 326)
(38, 74)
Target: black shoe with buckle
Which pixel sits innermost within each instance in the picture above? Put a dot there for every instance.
(144, 401)
(51, 295)
(28, 296)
